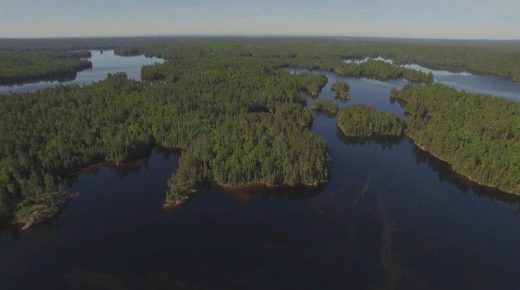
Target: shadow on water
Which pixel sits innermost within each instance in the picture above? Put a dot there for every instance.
(386, 142)
(463, 184)
(271, 193)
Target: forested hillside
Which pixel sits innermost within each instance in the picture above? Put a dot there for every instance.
(478, 135)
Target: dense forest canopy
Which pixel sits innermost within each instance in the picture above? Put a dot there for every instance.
(327, 106)
(25, 66)
(237, 120)
(340, 89)
(237, 115)
(478, 135)
(364, 121)
(494, 57)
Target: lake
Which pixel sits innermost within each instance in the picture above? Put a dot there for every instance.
(103, 63)
(476, 83)
(390, 217)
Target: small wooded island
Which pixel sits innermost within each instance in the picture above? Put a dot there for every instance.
(326, 106)
(363, 121)
(238, 117)
(341, 89)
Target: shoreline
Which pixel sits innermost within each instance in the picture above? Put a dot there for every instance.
(239, 189)
(467, 177)
(129, 165)
(426, 150)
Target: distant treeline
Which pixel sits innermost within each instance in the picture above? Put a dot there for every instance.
(500, 58)
(25, 66)
(478, 135)
(495, 57)
(127, 51)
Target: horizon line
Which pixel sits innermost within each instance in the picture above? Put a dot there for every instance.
(254, 35)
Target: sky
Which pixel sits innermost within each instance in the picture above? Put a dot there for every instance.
(459, 19)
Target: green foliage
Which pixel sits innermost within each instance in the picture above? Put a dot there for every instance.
(341, 89)
(206, 109)
(325, 106)
(127, 51)
(478, 135)
(236, 115)
(24, 66)
(495, 57)
(363, 121)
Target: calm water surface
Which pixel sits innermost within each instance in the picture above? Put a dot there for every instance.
(103, 63)
(476, 83)
(391, 217)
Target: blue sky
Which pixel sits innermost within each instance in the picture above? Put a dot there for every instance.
(494, 19)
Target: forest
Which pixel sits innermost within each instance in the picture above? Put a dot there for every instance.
(235, 120)
(326, 106)
(29, 66)
(236, 115)
(493, 57)
(478, 135)
(341, 89)
(364, 121)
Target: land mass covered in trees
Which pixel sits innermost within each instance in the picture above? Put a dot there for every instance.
(341, 89)
(30, 66)
(494, 57)
(478, 135)
(237, 122)
(326, 106)
(364, 121)
(236, 115)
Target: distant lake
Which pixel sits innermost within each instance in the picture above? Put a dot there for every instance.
(470, 82)
(103, 63)
(390, 217)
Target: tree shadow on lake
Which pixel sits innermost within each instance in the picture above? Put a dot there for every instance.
(386, 142)
(123, 170)
(244, 194)
(461, 182)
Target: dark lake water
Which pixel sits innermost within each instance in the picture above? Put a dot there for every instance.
(391, 217)
(103, 63)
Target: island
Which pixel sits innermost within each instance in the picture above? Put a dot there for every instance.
(340, 89)
(364, 121)
(326, 106)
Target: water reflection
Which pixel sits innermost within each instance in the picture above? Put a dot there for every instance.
(463, 184)
(103, 63)
(386, 142)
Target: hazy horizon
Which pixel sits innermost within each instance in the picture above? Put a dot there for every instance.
(443, 19)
